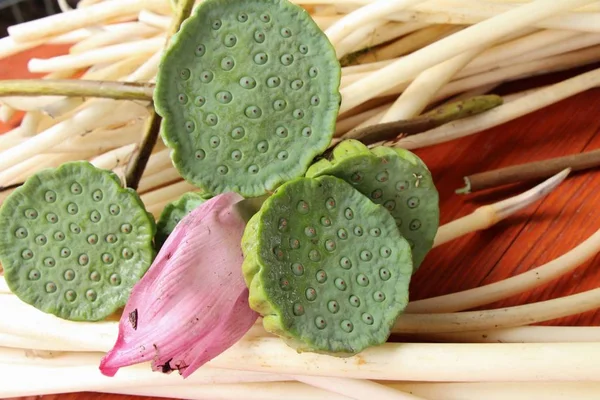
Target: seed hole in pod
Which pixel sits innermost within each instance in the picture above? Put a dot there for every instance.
(286, 32)
(200, 50)
(50, 287)
(262, 146)
(185, 74)
(376, 232)
(378, 296)
(238, 133)
(224, 97)
(95, 276)
(303, 208)
(242, 17)
(69, 275)
(314, 255)
(297, 84)
(330, 204)
(34, 275)
(347, 326)
(199, 101)
(298, 309)
(402, 185)
(298, 269)
(315, 101)
(298, 114)
(83, 259)
(222, 169)
(216, 25)
(227, 63)
(385, 252)
(248, 82)
(356, 177)
(348, 213)
(279, 254)
(362, 280)
(30, 213)
(50, 196)
(333, 306)
(325, 221)
(110, 238)
(107, 258)
(415, 224)
(236, 155)
(287, 59)
(330, 245)
(342, 234)
(345, 263)
(413, 202)
(114, 209)
(376, 194)
(93, 238)
(49, 262)
(115, 279)
(311, 294)
(259, 36)
(59, 236)
(320, 323)
(273, 82)
(354, 301)
(283, 224)
(211, 119)
(65, 252)
(367, 318)
(340, 284)
(27, 254)
(366, 255)
(230, 40)
(95, 216)
(21, 233)
(253, 112)
(310, 231)
(282, 155)
(265, 17)
(126, 228)
(97, 195)
(41, 240)
(321, 276)
(72, 208)
(390, 205)
(182, 98)
(261, 58)
(74, 228)
(214, 142)
(294, 243)
(76, 188)
(206, 76)
(91, 295)
(303, 49)
(253, 169)
(313, 72)
(383, 176)
(279, 105)
(126, 253)
(281, 131)
(385, 274)
(70, 295)
(284, 284)
(307, 131)
(358, 231)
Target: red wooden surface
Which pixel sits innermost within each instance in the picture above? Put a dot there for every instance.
(538, 234)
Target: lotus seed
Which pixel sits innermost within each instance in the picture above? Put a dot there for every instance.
(313, 72)
(378, 296)
(95, 276)
(385, 252)
(50, 196)
(345, 263)
(69, 275)
(330, 245)
(347, 326)
(127, 253)
(76, 188)
(321, 276)
(253, 112)
(390, 205)
(286, 32)
(348, 213)
(49, 262)
(376, 232)
(262, 146)
(297, 269)
(41, 240)
(59, 236)
(242, 17)
(402, 185)
(259, 36)
(298, 309)
(358, 231)
(83, 259)
(200, 50)
(75, 228)
(342, 234)
(34, 275)
(21, 233)
(284, 283)
(107, 258)
(72, 208)
(248, 82)
(310, 231)
(65, 252)
(93, 238)
(70, 295)
(236, 155)
(91, 295)
(27, 254)
(294, 243)
(278, 253)
(211, 119)
(287, 59)
(297, 84)
(222, 169)
(311, 294)
(330, 204)
(281, 132)
(282, 155)
(354, 301)
(265, 18)
(114, 209)
(200, 154)
(115, 279)
(206, 76)
(298, 114)
(303, 49)
(415, 225)
(230, 40)
(261, 58)
(413, 202)
(253, 169)
(273, 82)
(97, 195)
(314, 255)
(356, 177)
(182, 98)
(320, 323)
(227, 63)
(325, 221)
(306, 132)
(333, 306)
(303, 207)
(216, 25)
(199, 101)
(383, 176)
(340, 283)
(50, 287)
(376, 194)
(95, 216)
(279, 105)
(31, 213)
(362, 280)
(185, 74)
(366, 255)
(215, 142)
(110, 238)
(367, 318)
(283, 223)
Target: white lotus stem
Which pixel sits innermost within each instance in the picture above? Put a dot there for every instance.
(102, 140)
(128, 32)
(504, 113)
(420, 92)
(577, 42)
(372, 12)
(158, 162)
(488, 215)
(161, 178)
(471, 37)
(523, 334)
(6, 112)
(347, 124)
(155, 20)
(79, 18)
(388, 32)
(352, 42)
(167, 194)
(29, 124)
(105, 54)
(114, 158)
(499, 318)
(365, 67)
(147, 71)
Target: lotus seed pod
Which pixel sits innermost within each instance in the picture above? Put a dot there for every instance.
(173, 213)
(73, 242)
(249, 95)
(394, 178)
(326, 267)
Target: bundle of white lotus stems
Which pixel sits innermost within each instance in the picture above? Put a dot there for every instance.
(400, 58)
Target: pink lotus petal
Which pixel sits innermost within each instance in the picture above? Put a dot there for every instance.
(192, 304)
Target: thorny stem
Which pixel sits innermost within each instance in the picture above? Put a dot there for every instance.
(77, 88)
(437, 117)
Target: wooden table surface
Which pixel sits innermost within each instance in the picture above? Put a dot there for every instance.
(536, 235)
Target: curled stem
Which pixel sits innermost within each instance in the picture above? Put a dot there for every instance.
(77, 88)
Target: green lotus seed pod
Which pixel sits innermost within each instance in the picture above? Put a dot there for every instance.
(249, 95)
(326, 267)
(73, 242)
(173, 213)
(394, 178)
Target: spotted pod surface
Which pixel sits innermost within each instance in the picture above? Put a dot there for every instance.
(394, 178)
(326, 267)
(173, 213)
(73, 242)
(249, 94)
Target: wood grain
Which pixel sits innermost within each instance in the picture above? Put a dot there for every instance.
(536, 235)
